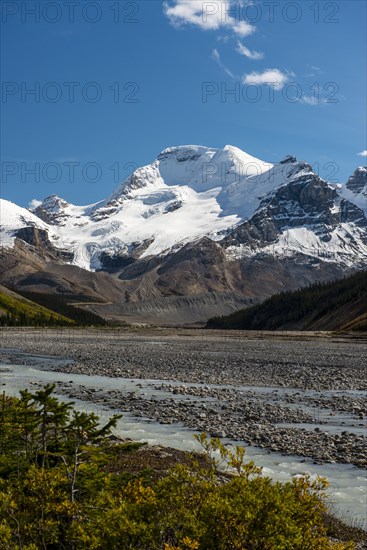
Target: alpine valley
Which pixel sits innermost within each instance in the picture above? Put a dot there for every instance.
(199, 232)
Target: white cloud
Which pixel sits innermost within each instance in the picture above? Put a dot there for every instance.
(273, 77)
(33, 204)
(207, 15)
(217, 58)
(241, 49)
(363, 153)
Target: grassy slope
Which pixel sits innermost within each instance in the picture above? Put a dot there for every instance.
(17, 306)
(337, 305)
(65, 306)
(360, 323)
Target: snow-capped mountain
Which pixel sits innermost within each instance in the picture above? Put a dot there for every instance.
(191, 192)
(186, 193)
(13, 218)
(196, 233)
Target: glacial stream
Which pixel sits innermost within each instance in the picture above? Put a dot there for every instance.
(348, 484)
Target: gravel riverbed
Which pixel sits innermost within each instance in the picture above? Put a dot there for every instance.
(260, 391)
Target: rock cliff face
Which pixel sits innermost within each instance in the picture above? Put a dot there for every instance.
(357, 183)
(38, 239)
(52, 210)
(355, 190)
(199, 230)
(305, 202)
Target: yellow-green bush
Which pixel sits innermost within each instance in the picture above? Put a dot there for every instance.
(55, 493)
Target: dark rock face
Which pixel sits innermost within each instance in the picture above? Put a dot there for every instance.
(205, 251)
(133, 183)
(175, 205)
(305, 201)
(193, 269)
(114, 262)
(358, 180)
(33, 236)
(105, 212)
(349, 212)
(180, 154)
(52, 210)
(288, 159)
(39, 239)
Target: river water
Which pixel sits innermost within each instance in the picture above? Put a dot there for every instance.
(348, 484)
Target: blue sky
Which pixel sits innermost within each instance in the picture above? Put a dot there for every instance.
(116, 82)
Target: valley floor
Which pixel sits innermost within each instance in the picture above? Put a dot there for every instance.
(295, 394)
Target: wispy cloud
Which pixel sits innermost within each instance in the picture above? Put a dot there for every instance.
(363, 153)
(224, 39)
(213, 15)
(219, 15)
(217, 58)
(313, 71)
(241, 49)
(310, 100)
(273, 77)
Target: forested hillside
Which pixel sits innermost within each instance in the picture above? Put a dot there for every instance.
(15, 310)
(60, 305)
(339, 305)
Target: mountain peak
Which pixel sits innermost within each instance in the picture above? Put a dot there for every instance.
(52, 209)
(13, 218)
(288, 159)
(183, 153)
(358, 180)
(360, 170)
(54, 202)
